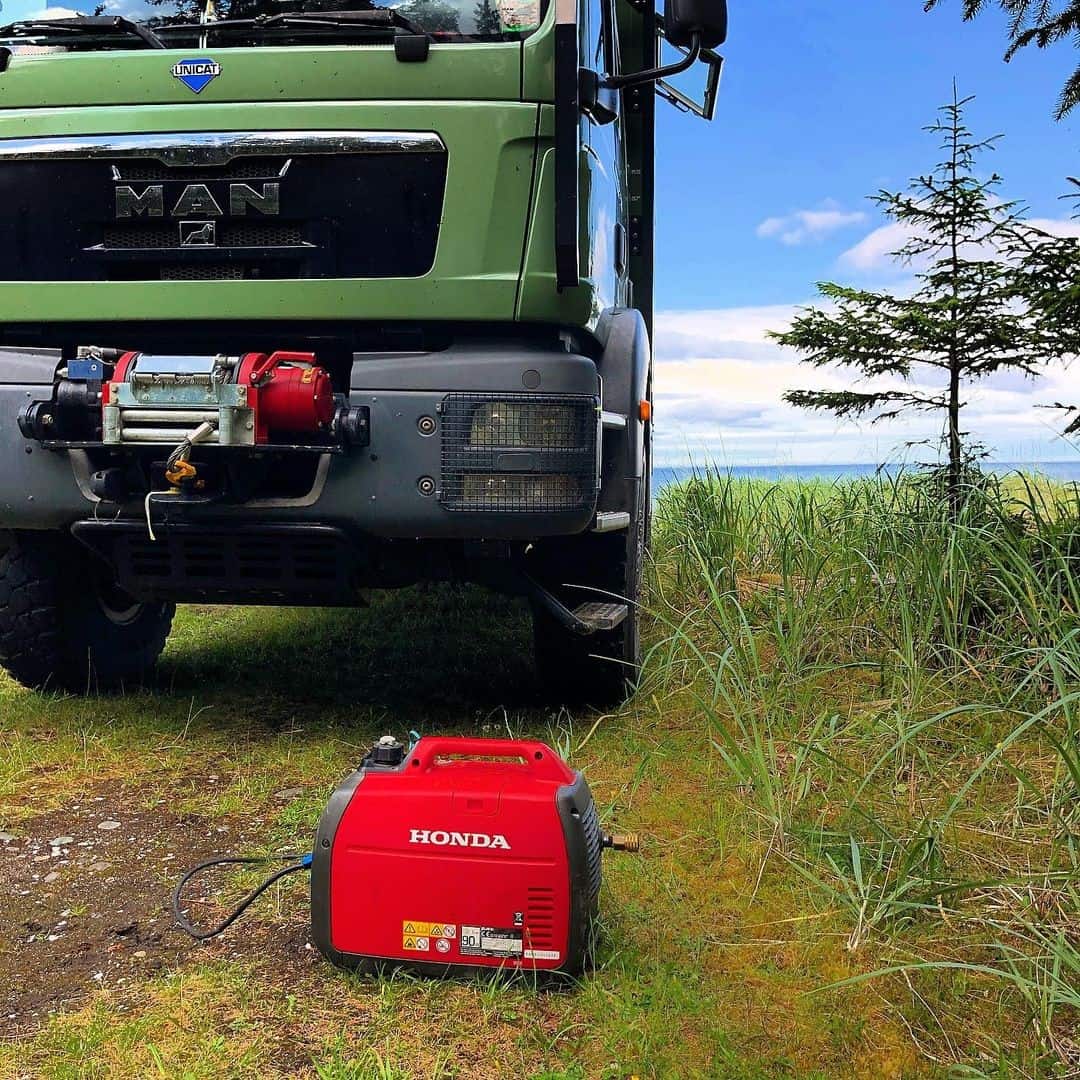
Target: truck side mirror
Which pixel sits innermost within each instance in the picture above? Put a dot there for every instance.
(702, 101)
(708, 19)
(692, 27)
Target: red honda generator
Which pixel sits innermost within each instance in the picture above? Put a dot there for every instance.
(468, 853)
(458, 854)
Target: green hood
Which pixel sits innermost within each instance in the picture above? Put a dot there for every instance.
(484, 72)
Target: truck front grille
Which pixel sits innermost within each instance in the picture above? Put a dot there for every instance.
(247, 168)
(202, 272)
(230, 235)
(314, 214)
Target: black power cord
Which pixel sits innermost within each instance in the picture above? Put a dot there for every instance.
(202, 935)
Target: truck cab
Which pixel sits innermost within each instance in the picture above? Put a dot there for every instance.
(300, 298)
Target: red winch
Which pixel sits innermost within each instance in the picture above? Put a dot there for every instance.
(289, 392)
(248, 398)
(458, 853)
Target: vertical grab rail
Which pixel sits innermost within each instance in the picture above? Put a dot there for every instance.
(567, 146)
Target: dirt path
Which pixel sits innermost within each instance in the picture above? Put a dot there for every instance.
(85, 896)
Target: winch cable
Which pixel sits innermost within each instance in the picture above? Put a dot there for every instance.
(177, 467)
(178, 470)
(192, 930)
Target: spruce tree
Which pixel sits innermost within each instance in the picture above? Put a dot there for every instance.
(1038, 23)
(961, 322)
(1048, 271)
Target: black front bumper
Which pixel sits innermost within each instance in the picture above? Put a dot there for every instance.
(405, 485)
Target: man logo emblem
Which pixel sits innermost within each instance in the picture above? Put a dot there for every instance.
(195, 74)
(198, 234)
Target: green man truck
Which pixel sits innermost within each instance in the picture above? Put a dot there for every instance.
(305, 297)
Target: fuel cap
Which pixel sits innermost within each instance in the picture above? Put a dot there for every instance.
(387, 751)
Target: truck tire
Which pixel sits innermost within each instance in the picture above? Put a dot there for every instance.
(64, 625)
(600, 669)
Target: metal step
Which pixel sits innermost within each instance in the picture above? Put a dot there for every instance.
(599, 615)
(611, 521)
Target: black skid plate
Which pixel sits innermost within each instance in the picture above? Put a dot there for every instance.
(222, 563)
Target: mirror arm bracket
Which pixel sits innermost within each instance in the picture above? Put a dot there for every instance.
(620, 82)
(597, 103)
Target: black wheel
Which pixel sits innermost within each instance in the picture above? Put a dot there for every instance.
(600, 669)
(65, 624)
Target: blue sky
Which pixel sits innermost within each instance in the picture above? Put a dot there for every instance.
(822, 103)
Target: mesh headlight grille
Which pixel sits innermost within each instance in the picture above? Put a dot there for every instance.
(518, 453)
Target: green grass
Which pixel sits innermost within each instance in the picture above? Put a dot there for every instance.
(853, 758)
(894, 693)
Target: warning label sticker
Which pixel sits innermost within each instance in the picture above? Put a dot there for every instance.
(490, 941)
(416, 928)
(415, 944)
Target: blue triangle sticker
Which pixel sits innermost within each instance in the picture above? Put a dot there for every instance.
(195, 74)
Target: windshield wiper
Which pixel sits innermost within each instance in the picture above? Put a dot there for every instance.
(372, 20)
(82, 26)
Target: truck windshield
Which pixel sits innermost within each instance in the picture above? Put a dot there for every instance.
(444, 20)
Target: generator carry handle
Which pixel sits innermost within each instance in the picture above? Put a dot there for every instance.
(536, 757)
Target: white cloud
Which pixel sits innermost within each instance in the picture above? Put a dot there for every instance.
(1057, 226)
(54, 13)
(719, 383)
(873, 254)
(805, 226)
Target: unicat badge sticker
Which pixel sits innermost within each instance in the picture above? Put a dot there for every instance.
(517, 15)
(195, 74)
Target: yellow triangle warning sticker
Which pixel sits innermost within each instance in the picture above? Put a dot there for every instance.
(436, 930)
(409, 943)
(408, 928)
